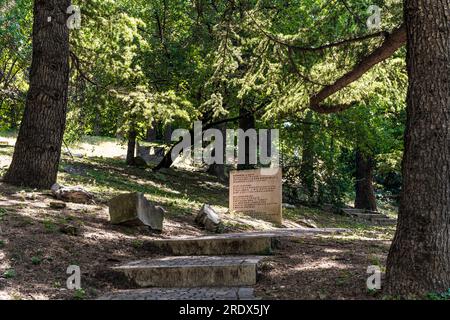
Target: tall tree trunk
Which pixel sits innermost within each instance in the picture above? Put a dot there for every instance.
(218, 169)
(144, 151)
(365, 195)
(307, 164)
(38, 147)
(97, 124)
(168, 134)
(419, 259)
(152, 132)
(132, 134)
(246, 122)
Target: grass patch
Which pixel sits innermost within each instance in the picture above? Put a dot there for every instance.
(49, 225)
(9, 274)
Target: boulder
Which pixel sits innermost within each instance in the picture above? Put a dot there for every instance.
(134, 208)
(209, 219)
(71, 194)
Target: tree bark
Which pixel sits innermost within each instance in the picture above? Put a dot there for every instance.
(218, 169)
(307, 164)
(38, 147)
(419, 258)
(168, 134)
(152, 132)
(246, 122)
(132, 134)
(392, 43)
(365, 195)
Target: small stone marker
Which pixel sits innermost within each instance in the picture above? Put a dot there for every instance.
(134, 208)
(257, 193)
(208, 219)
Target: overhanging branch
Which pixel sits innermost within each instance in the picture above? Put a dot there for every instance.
(392, 43)
(297, 48)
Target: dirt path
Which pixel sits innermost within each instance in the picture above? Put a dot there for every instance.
(321, 268)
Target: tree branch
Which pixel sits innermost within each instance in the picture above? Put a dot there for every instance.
(167, 160)
(298, 48)
(392, 43)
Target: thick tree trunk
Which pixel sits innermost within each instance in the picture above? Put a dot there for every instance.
(246, 122)
(97, 124)
(419, 259)
(131, 147)
(38, 147)
(365, 195)
(168, 134)
(218, 169)
(152, 132)
(307, 164)
(144, 151)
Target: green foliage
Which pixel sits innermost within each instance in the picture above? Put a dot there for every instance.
(9, 274)
(36, 260)
(79, 294)
(439, 296)
(3, 213)
(138, 64)
(49, 226)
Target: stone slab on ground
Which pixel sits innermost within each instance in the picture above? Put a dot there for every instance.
(192, 271)
(225, 293)
(356, 211)
(134, 208)
(248, 243)
(370, 216)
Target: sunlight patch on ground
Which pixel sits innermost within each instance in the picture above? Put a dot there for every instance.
(332, 250)
(4, 295)
(106, 149)
(321, 264)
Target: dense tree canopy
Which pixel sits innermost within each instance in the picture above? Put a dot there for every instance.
(321, 71)
(138, 64)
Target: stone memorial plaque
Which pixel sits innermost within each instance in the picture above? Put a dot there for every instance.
(257, 194)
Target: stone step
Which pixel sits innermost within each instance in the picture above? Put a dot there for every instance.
(370, 216)
(205, 293)
(352, 211)
(188, 272)
(385, 222)
(248, 243)
(380, 219)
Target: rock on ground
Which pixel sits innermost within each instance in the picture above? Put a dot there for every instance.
(71, 194)
(209, 219)
(134, 208)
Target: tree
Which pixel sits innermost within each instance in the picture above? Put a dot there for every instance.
(365, 195)
(419, 259)
(131, 147)
(38, 147)
(308, 158)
